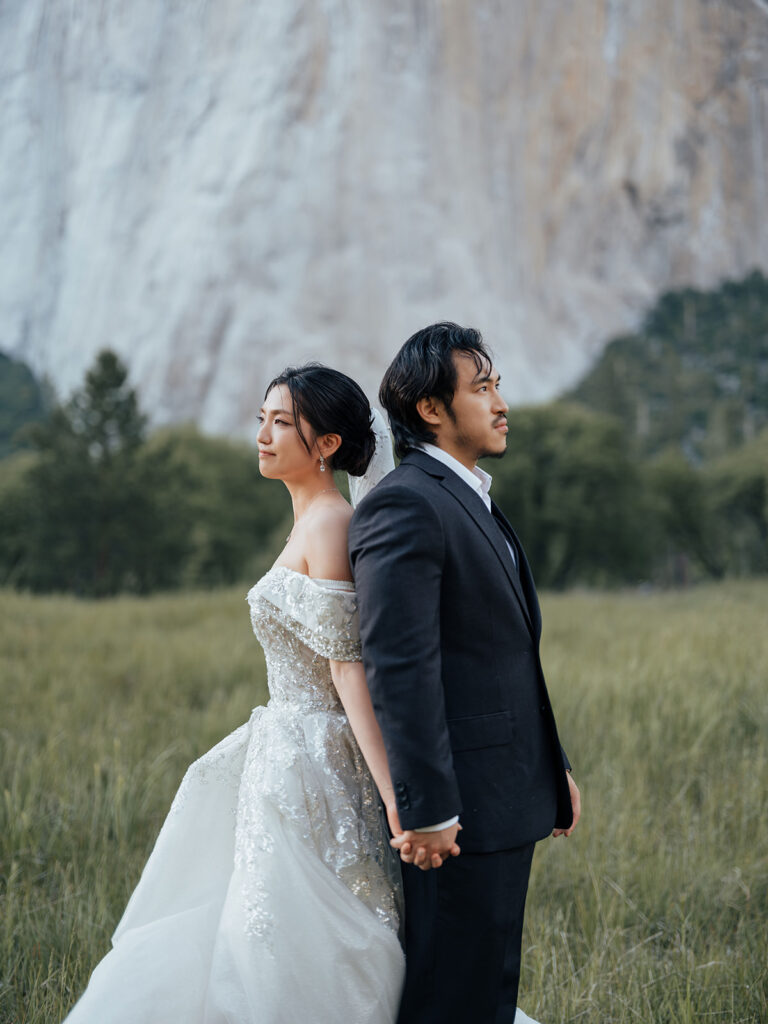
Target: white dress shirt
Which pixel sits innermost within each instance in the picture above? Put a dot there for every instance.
(476, 478)
(480, 482)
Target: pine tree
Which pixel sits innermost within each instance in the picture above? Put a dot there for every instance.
(92, 521)
(105, 413)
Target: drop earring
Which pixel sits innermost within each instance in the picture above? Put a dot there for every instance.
(322, 464)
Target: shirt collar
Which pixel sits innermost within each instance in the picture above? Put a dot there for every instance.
(477, 478)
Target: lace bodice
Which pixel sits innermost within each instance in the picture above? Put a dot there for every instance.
(301, 623)
(303, 760)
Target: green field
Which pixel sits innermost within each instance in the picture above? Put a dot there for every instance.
(656, 910)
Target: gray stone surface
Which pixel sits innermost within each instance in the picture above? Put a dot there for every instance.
(216, 189)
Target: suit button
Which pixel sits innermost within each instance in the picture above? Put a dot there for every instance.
(543, 709)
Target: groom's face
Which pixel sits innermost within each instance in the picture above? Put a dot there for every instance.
(476, 424)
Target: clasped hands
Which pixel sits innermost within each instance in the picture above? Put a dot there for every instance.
(426, 850)
(429, 850)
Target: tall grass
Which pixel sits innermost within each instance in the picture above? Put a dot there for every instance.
(103, 707)
(655, 910)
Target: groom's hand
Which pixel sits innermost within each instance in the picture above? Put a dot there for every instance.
(575, 804)
(427, 849)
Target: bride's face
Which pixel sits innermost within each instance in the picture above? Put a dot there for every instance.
(282, 454)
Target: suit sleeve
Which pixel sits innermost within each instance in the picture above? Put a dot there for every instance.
(397, 551)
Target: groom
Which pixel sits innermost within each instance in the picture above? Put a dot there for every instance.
(450, 626)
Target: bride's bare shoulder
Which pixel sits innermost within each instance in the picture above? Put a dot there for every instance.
(326, 536)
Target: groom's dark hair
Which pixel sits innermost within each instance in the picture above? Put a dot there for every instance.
(423, 368)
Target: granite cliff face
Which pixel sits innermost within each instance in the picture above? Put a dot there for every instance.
(217, 189)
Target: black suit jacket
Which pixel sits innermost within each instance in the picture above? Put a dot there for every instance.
(450, 632)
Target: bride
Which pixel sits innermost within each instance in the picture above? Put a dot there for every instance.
(272, 895)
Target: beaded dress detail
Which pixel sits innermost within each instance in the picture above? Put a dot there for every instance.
(272, 894)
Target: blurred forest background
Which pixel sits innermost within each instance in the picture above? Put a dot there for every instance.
(653, 469)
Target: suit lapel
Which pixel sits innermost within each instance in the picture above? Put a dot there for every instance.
(473, 504)
(492, 530)
(526, 576)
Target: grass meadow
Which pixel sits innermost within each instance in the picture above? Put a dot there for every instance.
(655, 910)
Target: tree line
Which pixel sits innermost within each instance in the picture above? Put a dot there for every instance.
(93, 504)
(693, 376)
(591, 511)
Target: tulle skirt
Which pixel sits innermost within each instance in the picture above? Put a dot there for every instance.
(271, 935)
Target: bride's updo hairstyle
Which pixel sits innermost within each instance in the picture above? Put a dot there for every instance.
(331, 403)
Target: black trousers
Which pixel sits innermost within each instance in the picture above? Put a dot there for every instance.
(463, 931)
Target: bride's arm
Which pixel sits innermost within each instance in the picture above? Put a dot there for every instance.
(325, 551)
(352, 688)
(349, 680)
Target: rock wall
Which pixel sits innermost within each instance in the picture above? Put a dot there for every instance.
(217, 189)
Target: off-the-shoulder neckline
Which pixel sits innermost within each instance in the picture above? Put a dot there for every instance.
(341, 584)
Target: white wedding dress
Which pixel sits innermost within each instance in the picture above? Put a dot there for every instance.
(272, 895)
